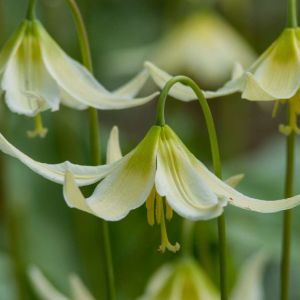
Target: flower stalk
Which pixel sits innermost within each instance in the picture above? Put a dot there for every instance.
(31, 10)
(160, 120)
(287, 215)
(292, 13)
(95, 142)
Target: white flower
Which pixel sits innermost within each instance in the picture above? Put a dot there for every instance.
(46, 291)
(160, 172)
(36, 75)
(185, 279)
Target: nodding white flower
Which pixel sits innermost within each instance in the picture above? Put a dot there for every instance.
(160, 171)
(275, 75)
(185, 279)
(36, 75)
(46, 291)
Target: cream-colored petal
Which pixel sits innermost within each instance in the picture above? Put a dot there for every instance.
(235, 180)
(79, 291)
(224, 191)
(113, 152)
(12, 45)
(80, 84)
(250, 283)
(84, 175)
(277, 71)
(44, 289)
(69, 101)
(130, 183)
(28, 86)
(179, 91)
(178, 180)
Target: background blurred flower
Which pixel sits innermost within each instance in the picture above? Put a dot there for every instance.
(185, 279)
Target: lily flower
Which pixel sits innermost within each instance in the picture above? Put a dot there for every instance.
(187, 280)
(274, 76)
(37, 75)
(46, 291)
(160, 171)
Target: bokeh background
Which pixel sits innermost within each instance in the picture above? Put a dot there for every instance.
(201, 39)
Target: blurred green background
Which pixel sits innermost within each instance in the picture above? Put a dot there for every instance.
(37, 227)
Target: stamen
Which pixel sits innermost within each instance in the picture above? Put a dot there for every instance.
(165, 243)
(158, 208)
(39, 129)
(169, 212)
(150, 202)
(275, 109)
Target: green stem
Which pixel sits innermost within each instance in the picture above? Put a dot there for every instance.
(31, 10)
(94, 137)
(287, 215)
(292, 13)
(187, 237)
(160, 121)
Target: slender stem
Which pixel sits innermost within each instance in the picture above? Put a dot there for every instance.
(94, 137)
(31, 10)
(292, 13)
(187, 237)
(160, 121)
(287, 215)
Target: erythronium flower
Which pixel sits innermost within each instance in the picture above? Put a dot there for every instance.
(275, 75)
(46, 291)
(36, 75)
(160, 171)
(185, 279)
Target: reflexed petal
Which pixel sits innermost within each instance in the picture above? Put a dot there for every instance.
(76, 81)
(12, 44)
(28, 86)
(113, 152)
(249, 285)
(130, 183)
(84, 175)
(179, 91)
(178, 180)
(228, 193)
(235, 180)
(43, 287)
(69, 101)
(79, 291)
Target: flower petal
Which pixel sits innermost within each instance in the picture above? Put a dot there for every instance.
(84, 175)
(235, 180)
(27, 84)
(76, 81)
(113, 152)
(179, 91)
(249, 285)
(43, 287)
(79, 291)
(178, 180)
(130, 183)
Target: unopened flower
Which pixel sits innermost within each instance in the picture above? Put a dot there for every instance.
(36, 75)
(46, 291)
(160, 171)
(187, 280)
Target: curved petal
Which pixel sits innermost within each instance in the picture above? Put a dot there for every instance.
(178, 180)
(76, 81)
(69, 101)
(130, 183)
(27, 84)
(43, 287)
(231, 195)
(179, 91)
(113, 152)
(278, 69)
(79, 291)
(84, 175)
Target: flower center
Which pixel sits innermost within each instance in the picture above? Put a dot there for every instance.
(156, 206)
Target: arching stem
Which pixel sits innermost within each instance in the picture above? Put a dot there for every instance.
(292, 13)
(31, 10)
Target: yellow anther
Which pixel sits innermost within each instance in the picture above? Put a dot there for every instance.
(150, 207)
(165, 243)
(169, 212)
(159, 208)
